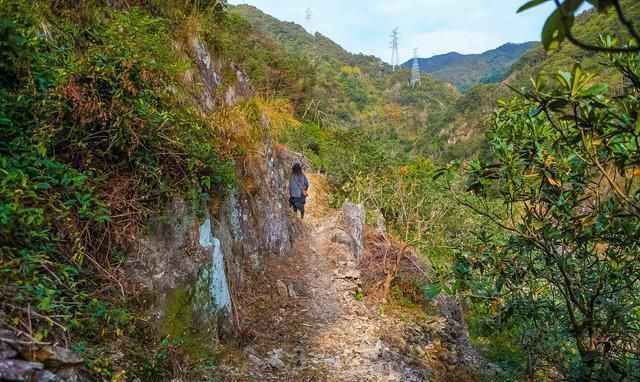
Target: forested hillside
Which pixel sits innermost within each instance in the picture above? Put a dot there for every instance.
(362, 91)
(467, 70)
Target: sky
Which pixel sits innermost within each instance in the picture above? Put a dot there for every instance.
(432, 26)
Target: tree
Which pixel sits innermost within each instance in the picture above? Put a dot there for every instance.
(566, 168)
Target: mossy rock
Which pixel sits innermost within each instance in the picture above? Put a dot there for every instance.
(181, 320)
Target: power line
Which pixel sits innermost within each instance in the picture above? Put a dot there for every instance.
(395, 57)
(415, 70)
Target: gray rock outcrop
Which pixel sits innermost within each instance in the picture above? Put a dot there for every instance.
(353, 224)
(22, 359)
(195, 255)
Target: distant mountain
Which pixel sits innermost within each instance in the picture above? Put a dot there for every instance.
(469, 115)
(466, 70)
(357, 90)
(587, 27)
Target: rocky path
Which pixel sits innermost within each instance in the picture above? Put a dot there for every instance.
(313, 324)
(345, 344)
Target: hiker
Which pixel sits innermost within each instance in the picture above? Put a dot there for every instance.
(298, 186)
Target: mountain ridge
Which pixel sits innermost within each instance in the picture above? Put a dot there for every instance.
(467, 70)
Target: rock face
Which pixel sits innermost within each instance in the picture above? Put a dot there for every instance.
(379, 224)
(195, 256)
(257, 220)
(241, 89)
(289, 158)
(210, 72)
(457, 331)
(354, 220)
(218, 284)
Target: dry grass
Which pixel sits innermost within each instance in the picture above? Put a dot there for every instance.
(233, 125)
(247, 123)
(319, 196)
(279, 112)
(380, 254)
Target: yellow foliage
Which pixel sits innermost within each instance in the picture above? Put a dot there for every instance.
(393, 110)
(279, 113)
(233, 125)
(346, 69)
(245, 123)
(187, 32)
(351, 70)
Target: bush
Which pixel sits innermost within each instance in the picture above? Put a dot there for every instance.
(94, 139)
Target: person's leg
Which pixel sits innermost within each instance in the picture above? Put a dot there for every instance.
(302, 212)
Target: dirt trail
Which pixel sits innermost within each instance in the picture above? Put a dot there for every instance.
(311, 324)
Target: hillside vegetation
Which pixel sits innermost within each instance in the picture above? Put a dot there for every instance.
(469, 115)
(101, 126)
(521, 199)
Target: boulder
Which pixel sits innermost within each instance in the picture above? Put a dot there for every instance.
(274, 359)
(354, 221)
(73, 374)
(295, 289)
(292, 292)
(341, 237)
(289, 158)
(344, 259)
(7, 351)
(56, 357)
(19, 370)
(47, 376)
(352, 274)
(254, 359)
(379, 224)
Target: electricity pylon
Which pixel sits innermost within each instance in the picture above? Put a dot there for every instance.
(395, 59)
(415, 70)
(307, 16)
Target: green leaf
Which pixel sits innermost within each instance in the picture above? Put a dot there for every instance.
(554, 30)
(45, 304)
(431, 291)
(534, 112)
(530, 4)
(206, 181)
(577, 76)
(594, 90)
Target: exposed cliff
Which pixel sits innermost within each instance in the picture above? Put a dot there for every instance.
(198, 257)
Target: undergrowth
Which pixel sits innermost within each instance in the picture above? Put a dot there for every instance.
(94, 140)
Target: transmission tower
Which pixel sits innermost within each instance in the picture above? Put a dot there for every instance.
(415, 70)
(307, 16)
(395, 59)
